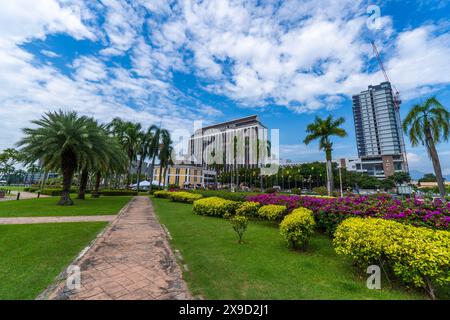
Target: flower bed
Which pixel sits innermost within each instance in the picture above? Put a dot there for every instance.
(329, 212)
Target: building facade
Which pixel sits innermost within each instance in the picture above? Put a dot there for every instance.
(239, 143)
(379, 139)
(184, 176)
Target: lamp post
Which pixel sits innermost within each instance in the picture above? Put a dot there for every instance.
(340, 181)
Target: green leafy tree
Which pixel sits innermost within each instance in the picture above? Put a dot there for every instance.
(60, 140)
(429, 123)
(323, 130)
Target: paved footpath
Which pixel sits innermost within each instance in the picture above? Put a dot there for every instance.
(28, 220)
(131, 260)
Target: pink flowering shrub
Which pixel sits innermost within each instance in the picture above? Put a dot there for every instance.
(329, 212)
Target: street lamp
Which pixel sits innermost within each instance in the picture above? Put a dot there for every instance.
(340, 181)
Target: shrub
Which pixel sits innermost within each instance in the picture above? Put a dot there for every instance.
(322, 191)
(55, 192)
(270, 190)
(162, 194)
(235, 196)
(297, 227)
(297, 191)
(239, 224)
(418, 256)
(214, 206)
(272, 211)
(248, 209)
(186, 197)
(112, 192)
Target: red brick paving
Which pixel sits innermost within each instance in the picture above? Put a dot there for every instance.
(132, 260)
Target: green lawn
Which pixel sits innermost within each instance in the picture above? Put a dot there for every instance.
(32, 255)
(263, 267)
(12, 188)
(48, 207)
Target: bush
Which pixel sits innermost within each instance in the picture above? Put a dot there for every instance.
(214, 206)
(187, 197)
(270, 190)
(297, 191)
(322, 191)
(239, 224)
(162, 194)
(297, 227)
(55, 192)
(248, 209)
(111, 192)
(418, 256)
(272, 211)
(235, 196)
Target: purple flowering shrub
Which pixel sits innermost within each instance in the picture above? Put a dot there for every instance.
(329, 212)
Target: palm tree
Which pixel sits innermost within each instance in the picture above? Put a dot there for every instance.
(322, 130)
(429, 123)
(60, 140)
(155, 147)
(128, 134)
(108, 156)
(165, 155)
(145, 150)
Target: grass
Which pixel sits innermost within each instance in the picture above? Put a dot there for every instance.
(32, 255)
(263, 267)
(12, 188)
(47, 207)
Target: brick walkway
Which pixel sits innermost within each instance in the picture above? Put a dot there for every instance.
(28, 220)
(130, 260)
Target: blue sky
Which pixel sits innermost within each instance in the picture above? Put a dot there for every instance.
(181, 61)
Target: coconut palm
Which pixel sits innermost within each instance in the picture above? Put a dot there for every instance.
(59, 140)
(322, 130)
(429, 123)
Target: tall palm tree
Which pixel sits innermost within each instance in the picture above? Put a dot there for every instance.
(429, 123)
(145, 150)
(60, 140)
(322, 130)
(128, 134)
(155, 147)
(108, 156)
(165, 155)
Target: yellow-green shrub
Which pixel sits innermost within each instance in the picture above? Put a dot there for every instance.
(248, 209)
(272, 211)
(182, 196)
(297, 227)
(162, 194)
(214, 206)
(418, 256)
(239, 224)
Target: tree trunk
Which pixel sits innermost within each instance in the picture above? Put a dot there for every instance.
(435, 160)
(68, 165)
(129, 175)
(96, 192)
(160, 175)
(139, 174)
(83, 184)
(166, 180)
(330, 184)
(152, 167)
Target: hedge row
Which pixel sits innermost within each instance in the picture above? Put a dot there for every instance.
(418, 256)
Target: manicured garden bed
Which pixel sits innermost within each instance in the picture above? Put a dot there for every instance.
(104, 205)
(263, 267)
(32, 255)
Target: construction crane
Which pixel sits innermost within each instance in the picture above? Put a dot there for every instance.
(397, 101)
(396, 95)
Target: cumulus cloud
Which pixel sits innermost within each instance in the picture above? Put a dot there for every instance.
(303, 55)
